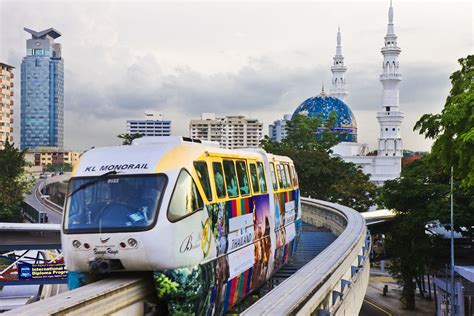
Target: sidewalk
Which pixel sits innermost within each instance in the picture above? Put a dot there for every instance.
(391, 301)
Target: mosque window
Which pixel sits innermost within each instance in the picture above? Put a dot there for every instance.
(386, 129)
(387, 108)
(393, 129)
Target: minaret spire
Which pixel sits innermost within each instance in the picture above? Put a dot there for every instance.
(390, 118)
(390, 30)
(338, 47)
(338, 70)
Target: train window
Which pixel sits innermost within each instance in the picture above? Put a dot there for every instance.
(287, 174)
(203, 175)
(261, 177)
(185, 199)
(114, 203)
(292, 176)
(274, 180)
(295, 176)
(243, 178)
(281, 176)
(253, 176)
(219, 179)
(230, 178)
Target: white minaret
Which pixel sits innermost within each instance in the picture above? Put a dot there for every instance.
(338, 70)
(390, 119)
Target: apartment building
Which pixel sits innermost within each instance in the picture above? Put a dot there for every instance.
(232, 131)
(152, 125)
(6, 104)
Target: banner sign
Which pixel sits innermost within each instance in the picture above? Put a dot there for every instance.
(28, 271)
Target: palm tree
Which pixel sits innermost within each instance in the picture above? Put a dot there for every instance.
(128, 138)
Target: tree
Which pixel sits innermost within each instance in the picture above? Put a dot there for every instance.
(14, 183)
(308, 143)
(58, 167)
(453, 128)
(128, 138)
(421, 194)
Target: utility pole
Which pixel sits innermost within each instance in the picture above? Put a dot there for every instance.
(453, 294)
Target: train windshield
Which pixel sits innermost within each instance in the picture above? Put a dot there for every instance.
(113, 203)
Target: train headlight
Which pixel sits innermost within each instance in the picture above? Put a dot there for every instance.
(132, 242)
(76, 244)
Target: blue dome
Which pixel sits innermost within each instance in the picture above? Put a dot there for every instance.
(322, 106)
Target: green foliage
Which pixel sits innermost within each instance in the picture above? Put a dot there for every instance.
(14, 182)
(302, 135)
(419, 196)
(128, 138)
(58, 167)
(422, 193)
(453, 128)
(412, 250)
(322, 176)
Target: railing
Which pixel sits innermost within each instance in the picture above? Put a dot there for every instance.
(333, 283)
(123, 295)
(47, 202)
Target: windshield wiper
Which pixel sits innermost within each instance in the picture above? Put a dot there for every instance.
(88, 183)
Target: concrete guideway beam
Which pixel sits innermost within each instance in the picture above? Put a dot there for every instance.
(333, 283)
(117, 296)
(46, 202)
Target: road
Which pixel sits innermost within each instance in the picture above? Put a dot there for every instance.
(34, 200)
(372, 309)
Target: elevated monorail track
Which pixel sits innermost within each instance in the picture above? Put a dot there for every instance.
(332, 283)
(335, 281)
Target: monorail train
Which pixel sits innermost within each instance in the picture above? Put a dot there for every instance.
(212, 224)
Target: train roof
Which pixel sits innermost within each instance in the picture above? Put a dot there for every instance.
(149, 155)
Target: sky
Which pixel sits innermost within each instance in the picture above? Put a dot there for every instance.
(259, 59)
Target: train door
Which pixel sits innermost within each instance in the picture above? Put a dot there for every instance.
(188, 215)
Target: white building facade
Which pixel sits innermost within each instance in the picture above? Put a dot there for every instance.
(152, 125)
(233, 131)
(386, 164)
(277, 130)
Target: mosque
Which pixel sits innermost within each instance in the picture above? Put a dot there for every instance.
(386, 163)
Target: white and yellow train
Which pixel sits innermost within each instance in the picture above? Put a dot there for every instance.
(212, 224)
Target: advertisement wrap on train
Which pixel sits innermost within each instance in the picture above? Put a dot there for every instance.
(211, 224)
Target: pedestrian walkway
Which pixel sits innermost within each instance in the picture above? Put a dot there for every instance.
(390, 304)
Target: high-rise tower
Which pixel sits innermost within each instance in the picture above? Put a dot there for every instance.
(390, 118)
(338, 89)
(42, 91)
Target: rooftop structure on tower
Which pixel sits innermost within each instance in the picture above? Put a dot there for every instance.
(338, 70)
(390, 118)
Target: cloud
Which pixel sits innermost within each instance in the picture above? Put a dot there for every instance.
(122, 59)
(262, 87)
